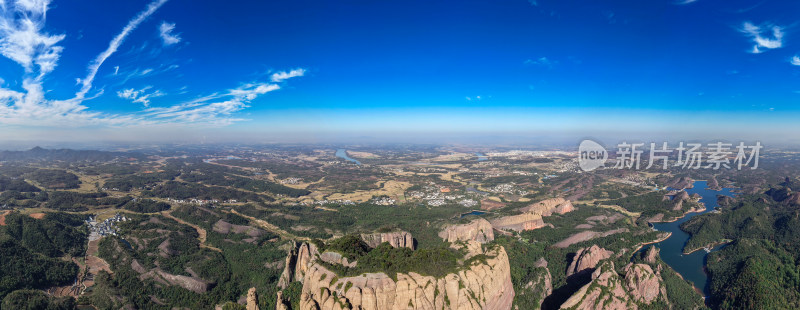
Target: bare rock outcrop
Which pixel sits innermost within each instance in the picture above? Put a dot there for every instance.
(587, 259)
(288, 267)
(252, 299)
(478, 230)
(306, 253)
(525, 221)
(651, 255)
(549, 206)
(397, 239)
(480, 286)
(642, 283)
(542, 282)
(605, 291)
(280, 304)
(336, 258)
(586, 236)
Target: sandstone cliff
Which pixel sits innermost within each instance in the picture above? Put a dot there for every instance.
(610, 290)
(252, 299)
(587, 258)
(397, 239)
(478, 286)
(531, 217)
(549, 206)
(605, 291)
(478, 230)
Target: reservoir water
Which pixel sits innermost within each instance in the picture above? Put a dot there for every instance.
(482, 157)
(342, 153)
(690, 266)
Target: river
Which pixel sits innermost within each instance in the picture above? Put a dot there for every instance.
(342, 153)
(690, 266)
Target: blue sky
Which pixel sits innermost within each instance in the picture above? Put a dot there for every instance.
(188, 70)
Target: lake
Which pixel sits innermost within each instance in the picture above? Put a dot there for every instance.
(342, 153)
(690, 266)
(474, 212)
(482, 157)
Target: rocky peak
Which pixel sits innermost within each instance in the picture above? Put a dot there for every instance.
(397, 239)
(587, 258)
(605, 291)
(641, 282)
(478, 230)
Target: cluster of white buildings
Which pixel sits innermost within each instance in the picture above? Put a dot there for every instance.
(328, 202)
(291, 180)
(383, 201)
(201, 201)
(105, 228)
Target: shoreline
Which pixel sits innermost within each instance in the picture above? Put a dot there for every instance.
(709, 246)
(641, 245)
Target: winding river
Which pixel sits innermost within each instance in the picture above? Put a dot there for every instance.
(690, 266)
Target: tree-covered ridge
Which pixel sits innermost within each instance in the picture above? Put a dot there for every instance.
(758, 269)
(33, 252)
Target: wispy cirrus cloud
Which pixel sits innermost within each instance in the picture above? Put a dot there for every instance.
(283, 75)
(114, 45)
(24, 41)
(165, 31)
(142, 96)
(766, 36)
(541, 61)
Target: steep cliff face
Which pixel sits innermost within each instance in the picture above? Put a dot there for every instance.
(531, 217)
(642, 283)
(610, 290)
(549, 206)
(478, 230)
(397, 239)
(605, 291)
(479, 286)
(525, 221)
(587, 258)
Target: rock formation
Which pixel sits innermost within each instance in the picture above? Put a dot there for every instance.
(651, 255)
(305, 254)
(280, 304)
(478, 230)
(542, 282)
(525, 221)
(397, 239)
(480, 286)
(288, 267)
(605, 291)
(252, 299)
(336, 258)
(587, 259)
(549, 206)
(531, 217)
(642, 283)
(609, 290)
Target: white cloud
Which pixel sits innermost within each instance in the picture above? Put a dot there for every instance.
(140, 96)
(165, 30)
(211, 111)
(766, 36)
(114, 45)
(795, 60)
(283, 75)
(685, 2)
(24, 41)
(22, 38)
(542, 61)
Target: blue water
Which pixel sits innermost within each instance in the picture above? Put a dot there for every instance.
(475, 212)
(342, 153)
(690, 266)
(482, 157)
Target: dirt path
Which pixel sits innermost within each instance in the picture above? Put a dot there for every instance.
(270, 227)
(201, 233)
(3, 217)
